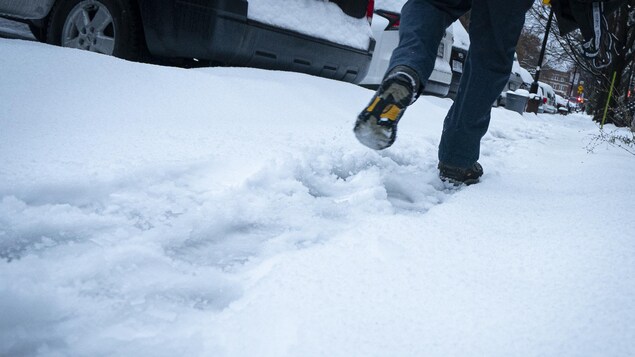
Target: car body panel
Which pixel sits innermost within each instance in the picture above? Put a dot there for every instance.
(441, 76)
(387, 41)
(219, 31)
(519, 78)
(460, 49)
(26, 9)
(515, 82)
(550, 94)
(457, 62)
(545, 91)
(382, 53)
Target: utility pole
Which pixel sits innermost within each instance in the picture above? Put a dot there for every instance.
(534, 101)
(574, 80)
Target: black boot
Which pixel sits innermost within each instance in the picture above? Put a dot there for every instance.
(376, 125)
(458, 175)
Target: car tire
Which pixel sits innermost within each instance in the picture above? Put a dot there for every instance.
(111, 27)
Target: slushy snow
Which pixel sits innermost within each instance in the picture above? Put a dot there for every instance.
(152, 211)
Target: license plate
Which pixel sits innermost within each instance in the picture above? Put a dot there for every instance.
(457, 66)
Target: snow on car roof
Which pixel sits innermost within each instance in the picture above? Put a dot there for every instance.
(524, 74)
(390, 5)
(320, 19)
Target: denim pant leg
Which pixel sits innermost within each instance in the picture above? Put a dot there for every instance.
(495, 26)
(422, 25)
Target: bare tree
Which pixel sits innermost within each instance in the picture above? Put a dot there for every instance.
(621, 24)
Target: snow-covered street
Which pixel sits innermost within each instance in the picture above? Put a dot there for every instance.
(156, 211)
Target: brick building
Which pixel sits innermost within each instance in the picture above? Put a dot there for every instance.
(559, 80)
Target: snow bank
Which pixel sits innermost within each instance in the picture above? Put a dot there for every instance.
(228, 212)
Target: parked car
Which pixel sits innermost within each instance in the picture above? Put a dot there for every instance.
(385, 28)
(255, 33)
(548, 99)
(562, 105)
(514, 82)
(460, 47)
(519, 78)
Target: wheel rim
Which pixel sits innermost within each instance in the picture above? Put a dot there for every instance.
(90, 26)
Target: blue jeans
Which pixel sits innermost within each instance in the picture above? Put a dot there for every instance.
(495, 26)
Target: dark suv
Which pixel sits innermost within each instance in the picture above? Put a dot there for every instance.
(220, 32)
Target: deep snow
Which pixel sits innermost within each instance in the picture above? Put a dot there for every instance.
(230, 212)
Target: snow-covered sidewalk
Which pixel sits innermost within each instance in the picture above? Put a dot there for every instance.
(152, 211)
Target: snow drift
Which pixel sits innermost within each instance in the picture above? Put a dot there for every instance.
(159, 211)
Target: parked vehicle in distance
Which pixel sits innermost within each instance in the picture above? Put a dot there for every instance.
(460, 47)
(254, 33)
(385, 28)
(562, 105)
(575, 103)
(548, 99)
(515, 82)
(519, 78)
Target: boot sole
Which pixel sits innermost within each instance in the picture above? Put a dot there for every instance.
(372, 135)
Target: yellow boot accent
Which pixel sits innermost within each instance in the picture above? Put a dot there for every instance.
(372, 106)
(391, 112)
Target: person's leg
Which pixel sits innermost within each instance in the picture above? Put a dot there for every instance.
(423, 23)
(495, 26)
(422, 26)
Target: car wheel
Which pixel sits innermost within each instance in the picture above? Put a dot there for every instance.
(111, 27)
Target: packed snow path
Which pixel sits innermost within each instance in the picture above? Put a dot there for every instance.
(230, 212)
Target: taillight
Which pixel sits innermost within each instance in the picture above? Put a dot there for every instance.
(392, 17)
(370, 9)
(544, 100)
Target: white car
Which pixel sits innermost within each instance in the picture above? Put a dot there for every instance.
(385, 27)
(460, 48)
(519, 78)
(548, 99)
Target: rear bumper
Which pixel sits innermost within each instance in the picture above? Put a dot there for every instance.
(219, 31)
(440, 80)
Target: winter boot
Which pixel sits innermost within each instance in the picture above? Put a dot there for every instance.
(376, 125)
(458, 175)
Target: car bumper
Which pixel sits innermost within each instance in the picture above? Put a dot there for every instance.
(387, 41)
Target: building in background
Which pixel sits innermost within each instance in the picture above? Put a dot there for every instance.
(559, 80)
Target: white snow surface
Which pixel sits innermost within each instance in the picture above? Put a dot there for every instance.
(390, 5)
(461, 37)
(317, 18)
(524, 74)
(152, 211)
